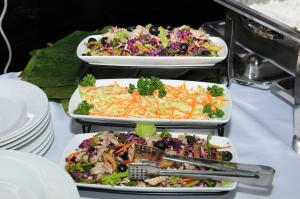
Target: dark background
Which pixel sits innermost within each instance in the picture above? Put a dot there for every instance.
(31, 24)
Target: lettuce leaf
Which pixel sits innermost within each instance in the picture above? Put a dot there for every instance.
(114, 178)
(145, 130)
(148, 26)
(163, 37)
(212, 47)
(122, 35)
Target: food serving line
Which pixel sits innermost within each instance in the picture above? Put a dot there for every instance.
(260, 126)
(260, 129)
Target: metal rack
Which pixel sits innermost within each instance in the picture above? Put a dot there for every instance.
(87, 126)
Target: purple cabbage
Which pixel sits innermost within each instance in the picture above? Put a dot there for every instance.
(80, 175)
(92, 154)
(174, 142)
(85, 144)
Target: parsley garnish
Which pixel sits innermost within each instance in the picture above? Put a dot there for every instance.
(88, 80)
(215, 90)
(83, 108)
(146, 87)
(210, 113)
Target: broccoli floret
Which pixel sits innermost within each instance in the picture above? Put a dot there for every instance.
(83, 108)
(207, 109)
(88, 80)
(146, 86)
(165, 133)
(211, 114)
(131, 88)
(219, 113)
(215, 90)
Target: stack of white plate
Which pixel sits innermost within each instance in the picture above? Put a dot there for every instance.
(25, 121)
(27, 176)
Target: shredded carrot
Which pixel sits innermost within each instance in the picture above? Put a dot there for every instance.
(220, 147)
(179, 103)
(209, 97)
(186, 179)
(126, 146)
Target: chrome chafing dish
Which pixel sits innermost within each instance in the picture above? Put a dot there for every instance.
(269, 38)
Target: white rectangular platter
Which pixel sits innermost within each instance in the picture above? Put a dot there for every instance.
(153, 61)
(76, 99)
(216, 140)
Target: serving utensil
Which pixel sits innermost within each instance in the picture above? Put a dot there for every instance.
(142, 171)
(239, 172)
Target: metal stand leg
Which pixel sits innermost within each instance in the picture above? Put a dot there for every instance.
(230, 39)
(86, 128)
(221, 131)
(296, 138)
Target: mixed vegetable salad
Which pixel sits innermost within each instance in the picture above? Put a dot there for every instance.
(104, 158)
(152, 41)
(150, 98)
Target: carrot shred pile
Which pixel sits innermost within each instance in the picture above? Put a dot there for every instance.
(179, 102)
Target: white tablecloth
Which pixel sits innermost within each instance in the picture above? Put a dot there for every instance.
(261, 128)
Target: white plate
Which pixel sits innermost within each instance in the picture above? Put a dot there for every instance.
(24, 137)
(12, 113)
(39, 141)
(76, 99)
(154, 62)
(220, 141)
(28, 176)
(42, 150)
(34, 98)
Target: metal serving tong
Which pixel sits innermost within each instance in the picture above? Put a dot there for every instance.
(244, 173)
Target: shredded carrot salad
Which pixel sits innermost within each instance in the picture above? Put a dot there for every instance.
(179, 102)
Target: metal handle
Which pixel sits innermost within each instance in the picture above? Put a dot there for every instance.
(263, 31)
(242, 177)
(263, 174)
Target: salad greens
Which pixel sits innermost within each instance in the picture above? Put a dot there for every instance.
(163, 37)
(148, 26)
(83, 108)
(215, 90)
(174, 180)
(122, 35)
(104, 158)
(88, 80)
(192, 183)
(151, 40)
(145, 130)
(114, 178)
(165, 133)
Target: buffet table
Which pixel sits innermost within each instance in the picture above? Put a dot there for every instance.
(260, 129)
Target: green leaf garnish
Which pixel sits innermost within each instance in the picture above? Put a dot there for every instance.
(165, 133)
(211, 114)
(88, 80)
(131, 88)
(146, 86)
(145, 130)
(83, 108)
(215, 90)
(163, 37)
